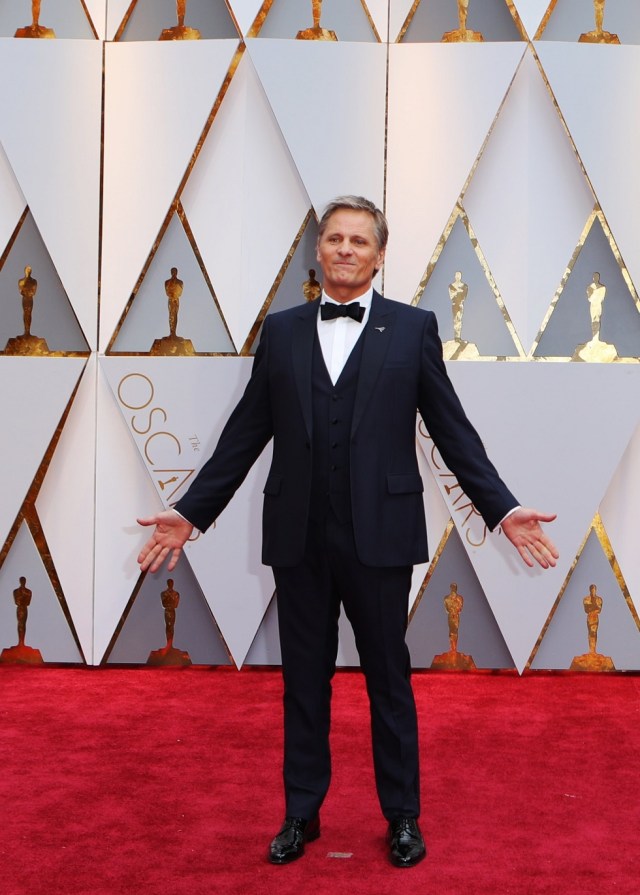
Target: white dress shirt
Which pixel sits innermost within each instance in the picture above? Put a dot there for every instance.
(338, 337)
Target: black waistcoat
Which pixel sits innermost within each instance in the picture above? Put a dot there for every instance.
(332, 417)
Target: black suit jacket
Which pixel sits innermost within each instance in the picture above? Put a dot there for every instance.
(401, 372)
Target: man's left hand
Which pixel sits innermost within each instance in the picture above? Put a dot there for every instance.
(524, 531)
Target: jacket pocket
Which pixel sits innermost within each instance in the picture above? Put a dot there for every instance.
(407, 483)
(273, 484)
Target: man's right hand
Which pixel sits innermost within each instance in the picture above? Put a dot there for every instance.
(171, 534)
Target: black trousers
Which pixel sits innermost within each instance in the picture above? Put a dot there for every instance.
(376, 603)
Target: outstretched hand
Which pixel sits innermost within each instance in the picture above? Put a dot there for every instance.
(169, 537)
(524, 531)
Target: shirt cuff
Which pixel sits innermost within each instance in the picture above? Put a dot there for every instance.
(510, 513)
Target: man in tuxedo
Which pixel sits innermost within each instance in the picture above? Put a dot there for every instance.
(336, 383)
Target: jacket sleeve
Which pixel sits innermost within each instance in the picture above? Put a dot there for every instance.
(244, 437)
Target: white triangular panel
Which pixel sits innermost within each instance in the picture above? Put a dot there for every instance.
(244, 201)
(379, 12)
(50, 129)
(619, 512)
(598, 91)
(158, 99)
(70, 481)
(180, 434)
(116, 11)
(398, 12)
(531, 13)
(315, 89)
(97, 9)
(245, 12)
(555, 461)
(437, 125)
(35, 393)
(12, 201)
(528, 163)
(123, 492)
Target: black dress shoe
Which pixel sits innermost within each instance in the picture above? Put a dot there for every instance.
(288, 845)
(406, 845)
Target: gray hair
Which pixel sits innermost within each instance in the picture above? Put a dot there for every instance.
(357, 203)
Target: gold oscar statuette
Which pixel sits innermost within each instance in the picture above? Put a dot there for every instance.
(35, 29)
(173, 343)
(457, 348)
(595, 350)
(593, 660)
(598, 35)
(22, 654)
(180, 31)
(311, 288)
(316, 32)
(168, 654)
(27, 344)
(453, 660)
(462, 34)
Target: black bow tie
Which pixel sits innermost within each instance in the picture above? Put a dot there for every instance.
(329, 311)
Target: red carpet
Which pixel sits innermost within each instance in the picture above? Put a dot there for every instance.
(135, 781)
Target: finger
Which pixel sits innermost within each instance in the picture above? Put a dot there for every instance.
(525, 556)
(151, 520)
(150, 557)
(545, 517)
(158, 561)
(175, 556)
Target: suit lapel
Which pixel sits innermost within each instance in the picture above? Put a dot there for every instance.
(377, 337)
(304, 333)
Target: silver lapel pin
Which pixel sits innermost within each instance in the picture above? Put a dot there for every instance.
(380, 329)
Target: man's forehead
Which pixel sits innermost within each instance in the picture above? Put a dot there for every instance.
(350, 219)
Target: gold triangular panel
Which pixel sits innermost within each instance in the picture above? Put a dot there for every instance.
(174, 310)
(593, 626)
(452, 626)
(596, 22)
(595, 315)
(331, 20)
(181, 20)
(36, 316)
(35, 625)
(168, 623)
(55, 20)
(490, 20)
(459, 288)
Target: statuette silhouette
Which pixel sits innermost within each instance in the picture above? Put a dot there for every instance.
(316, 33)
(457, 348)
(35, 29)
(21, 653)
(173, 343)
(593, 660)
(27, 343)
(595, 349)
(462, 33)
(453, 604)
(598, 35)
(168, 654)
(311, 288)
(180, 31)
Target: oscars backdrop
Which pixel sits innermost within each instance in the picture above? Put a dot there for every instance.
(162, 168)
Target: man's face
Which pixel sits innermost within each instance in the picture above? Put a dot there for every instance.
(348, 254)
